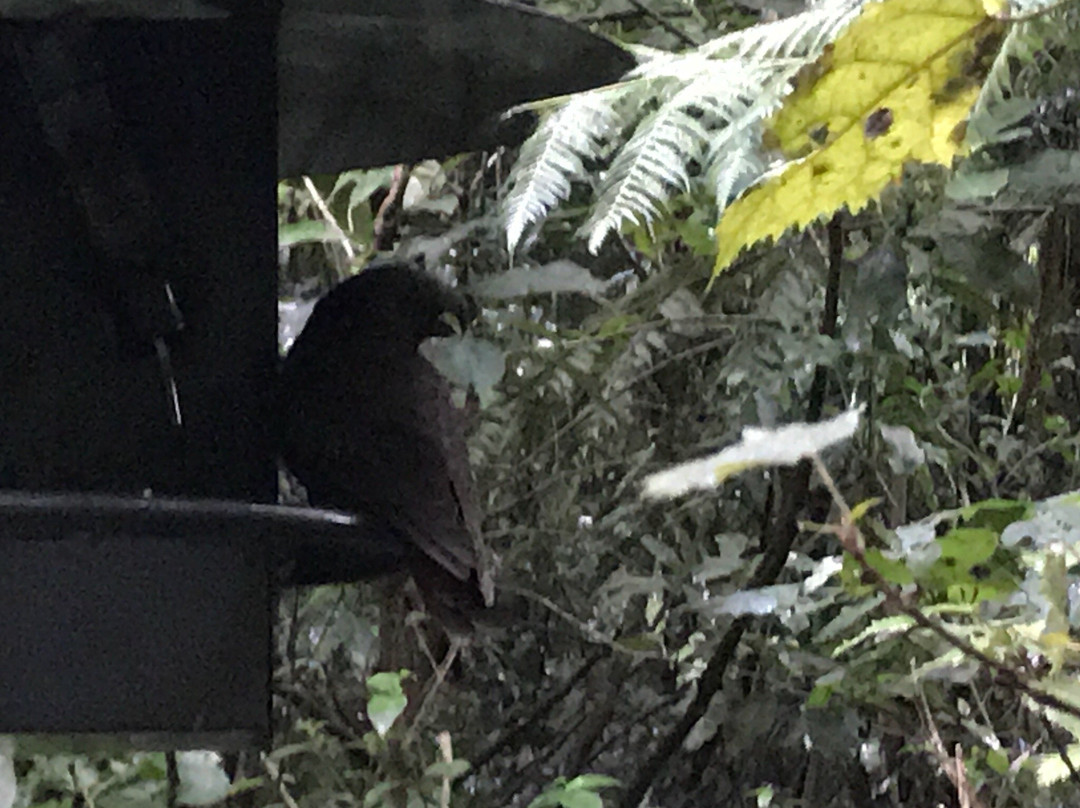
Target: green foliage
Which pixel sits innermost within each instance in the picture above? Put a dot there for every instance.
(580, 792)
(700, 124)
(386, 700)
(692, 119)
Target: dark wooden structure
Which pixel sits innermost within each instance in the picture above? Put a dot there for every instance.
(139, 543)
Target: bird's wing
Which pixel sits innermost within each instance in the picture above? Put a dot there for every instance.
(389, 443)
(447, 423)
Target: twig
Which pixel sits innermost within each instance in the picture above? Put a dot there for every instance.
(1062, 750)
(1007, 675)
(682, 36)
(383, 227)
(589, 633)
(336, 723)
(952, 765)
(324, 209)
(511, 736)
(588, 410)
(440, 671)
(275, 776)
(795, 486)
(852, 540)
(172, 780)
(447, 751)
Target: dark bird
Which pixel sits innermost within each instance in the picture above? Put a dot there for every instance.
(369, 427)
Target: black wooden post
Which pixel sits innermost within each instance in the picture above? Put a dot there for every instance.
(161, 636)
(139, 544)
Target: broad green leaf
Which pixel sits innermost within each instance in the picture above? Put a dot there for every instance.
(448, 769)
(966, 546)
(995, 513)
(895, 571)
(386, 700)
(375, 795)
(580, 799)
(384, 711)
(819, 696)
(306, 231)
(591, 781)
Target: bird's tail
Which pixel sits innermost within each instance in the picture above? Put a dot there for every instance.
(454, 602)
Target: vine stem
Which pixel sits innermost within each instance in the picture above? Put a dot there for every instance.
(794, 492)
(852, 540)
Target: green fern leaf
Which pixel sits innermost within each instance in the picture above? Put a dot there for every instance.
(555, 155)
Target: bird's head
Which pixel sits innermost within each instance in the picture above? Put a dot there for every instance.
(393, 304)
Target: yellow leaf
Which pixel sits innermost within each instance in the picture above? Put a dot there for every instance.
(863, 508)
(895, 87)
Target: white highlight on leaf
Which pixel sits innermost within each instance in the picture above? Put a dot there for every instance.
(766, 600)
(468, 362)
(783, 446)
(8, 783)
(907, 455)
(824, 569)
(1054, 520)
(202, 779)
(919, 548)
(555, 277)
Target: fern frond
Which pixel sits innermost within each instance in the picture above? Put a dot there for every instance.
(1043, 24)
(802, 35)
(656, 161)
(736, 159)
(733, 171)
(554, 157)
(691, 114)
(729, 85)
(1030, 8)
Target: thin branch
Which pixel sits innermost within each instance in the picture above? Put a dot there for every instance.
(682, 36)
(624, 15)
(275, 775)
(509, 738)
(447, 752)
(1006, 674)
(794, 490)
(1063, 750)
(952, 765)
(438, 677)
(324, 210)
(590, 634)
(337, 721)
(853, 542)
(384, 227)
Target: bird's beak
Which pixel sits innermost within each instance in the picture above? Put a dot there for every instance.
(454, 322)
(450, 325)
